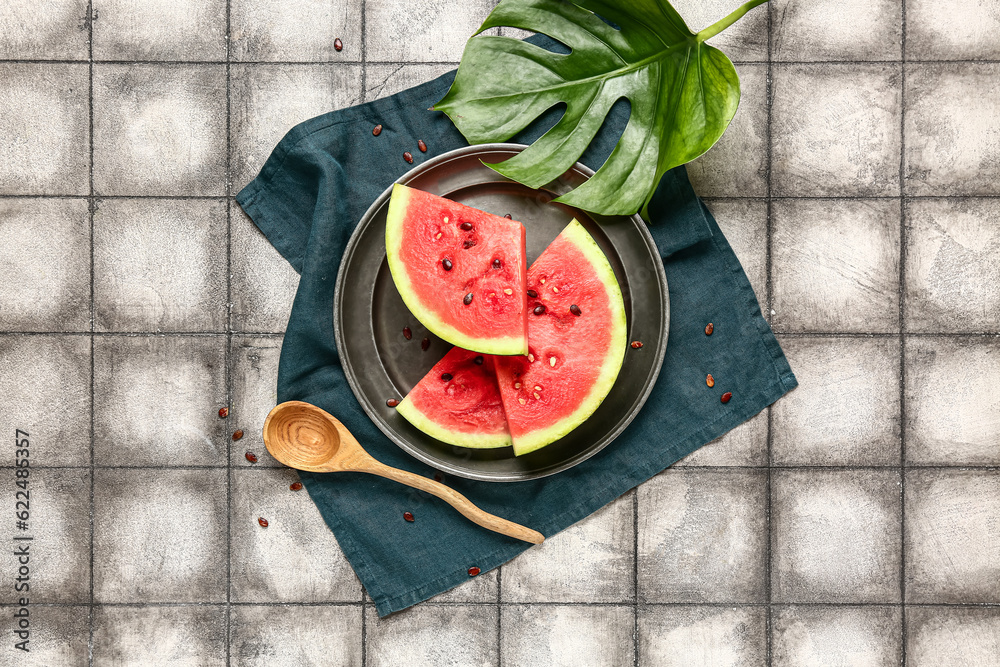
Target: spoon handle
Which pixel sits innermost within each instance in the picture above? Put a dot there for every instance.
(459, 502)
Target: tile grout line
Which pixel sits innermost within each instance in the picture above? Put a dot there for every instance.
(328, 63)
(902, 333)
(229, 337)
(769, 224)
(635, 577)
(499, 617)
(91, 206)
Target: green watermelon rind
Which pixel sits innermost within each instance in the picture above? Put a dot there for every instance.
(412, 414)
(581, 238)
(505, 346)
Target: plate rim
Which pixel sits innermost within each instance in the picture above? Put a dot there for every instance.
(399, 441)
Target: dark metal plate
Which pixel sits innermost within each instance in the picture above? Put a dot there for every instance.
(380, 363)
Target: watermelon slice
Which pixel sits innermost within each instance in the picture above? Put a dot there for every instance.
(460, 271)
(458, 402)
(576, 340)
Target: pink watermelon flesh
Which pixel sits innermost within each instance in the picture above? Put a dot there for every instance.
(573, 359)
(487, 261)
(463, 410)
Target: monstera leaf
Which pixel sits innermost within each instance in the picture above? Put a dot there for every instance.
(682, 92)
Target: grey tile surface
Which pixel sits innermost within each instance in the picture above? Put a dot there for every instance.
(428, 31)
(835, 130)
(45, 122)
(835, 536)
(952, 532)
(291, 636)
(703, 537)
(58, 33)
(386, 80)
(160, 265)
(160, 29)
(58, 636)
(952, 255)
(743, 41)
(953, 411)
(254, 392)
(843, 635)
(295, 30)
(698, 636)
(835, 265)
(952, 130)
(591, 561)
(159, 129)
(294, 559)
(45, 390)
(46, 260)
(156, 400)
(263, 283)
(846, 409)
(744, 223)
(836, 30)
(174, 635)
(561, 636)
(952, 30)
(428, 636)
(953, 636)
(745, 445)
(159, 535)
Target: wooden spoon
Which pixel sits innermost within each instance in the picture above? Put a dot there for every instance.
(305, 437)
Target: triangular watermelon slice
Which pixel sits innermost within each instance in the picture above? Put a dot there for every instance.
(576, 338)
(458, 402)
(459, 270)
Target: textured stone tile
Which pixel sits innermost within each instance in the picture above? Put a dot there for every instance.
(431, 636)
(952, 536)
(591, 561)
(428, 31)
(481, 588)
(745, 445)
(45, 390)
(835, 536)
(937, 636)
(59, 506)
(386, 80)
(744, 223)
(703, 537)
(176, 635)
(835, 130)
(835, 265)
(58, 33)
(291, 636)
(952, 407)
(855, 636)
(157, 400)
(269, 100)
(159, 535)
(254, 393)
(846, 409)
(744, 40)
(837, 30)
(296, 558)
(952, 254)
(160, 30)
(159, 129)
(737, 165)
(952, 130)
(160, 265)
(46, 260)
(44, 119)
(296, 30)
(58, 636)
(693, 636)
(952, 30)
(263, 282)
(566, 636)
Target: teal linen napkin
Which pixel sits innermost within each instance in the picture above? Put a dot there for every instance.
(307, 200)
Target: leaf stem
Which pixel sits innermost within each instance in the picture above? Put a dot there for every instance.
(722, 24)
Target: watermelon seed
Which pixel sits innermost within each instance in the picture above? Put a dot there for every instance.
(421, 145)
(556, 290)
(407, 334)
(521, 401)
(537, 388)
(408, 516)
(446, 263)
(636, 344)
(466, 226)
(425, 343)
(473, 571)
(446, 218)
(492, 294)
(468, 299)
(438, 477)
(709, 329)
(532, 294)
(508, 216)
(251, 457)
(408, 157)
(295, 486)
(710, 381)
(223, 412)
(539, 309)
(497, 263)
(552, 362)
(508, 292)
(237, 434)
(542, 281)
(437, 236)
(377, 130)
(446, 377)
(338, 45)
(478, 360)
(725, 397)
(392, 402)
(531, 358)
(575, 309)
(468, 243)
(262, 521)
(517, 385)
(537, 395)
